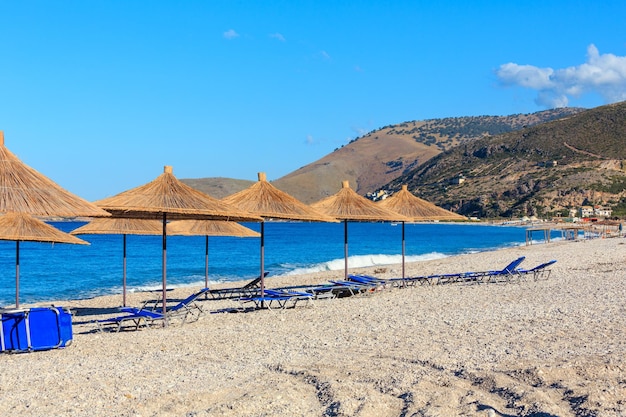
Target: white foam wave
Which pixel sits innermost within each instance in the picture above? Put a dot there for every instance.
(360, 261)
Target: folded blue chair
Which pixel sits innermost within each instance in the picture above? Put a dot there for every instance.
(37, 328)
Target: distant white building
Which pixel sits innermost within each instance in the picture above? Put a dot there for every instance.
(602, 211)
(586, 211)
(595, 211)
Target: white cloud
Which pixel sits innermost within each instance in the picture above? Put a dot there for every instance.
(231, 34)
(309, 140)
(602, 74)
(278, 36)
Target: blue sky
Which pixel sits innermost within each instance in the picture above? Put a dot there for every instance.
(100, 95)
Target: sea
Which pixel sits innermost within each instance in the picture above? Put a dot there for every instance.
(58, 272)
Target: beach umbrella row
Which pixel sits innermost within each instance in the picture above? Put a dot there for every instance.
(23, 190)
(165, 198)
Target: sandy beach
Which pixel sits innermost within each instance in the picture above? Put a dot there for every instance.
(554, 347)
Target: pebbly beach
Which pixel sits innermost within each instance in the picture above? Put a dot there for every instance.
(553, 347)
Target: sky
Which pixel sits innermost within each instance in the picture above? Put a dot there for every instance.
(100, 95)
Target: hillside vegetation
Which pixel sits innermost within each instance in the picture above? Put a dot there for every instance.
(543, 169)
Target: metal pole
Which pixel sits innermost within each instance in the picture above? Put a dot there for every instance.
(403, 251)
(17, 274)
(206, 261)
(345, 247)
(262, 258)
(164, 273)
(124, 274)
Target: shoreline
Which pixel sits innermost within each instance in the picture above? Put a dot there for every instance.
(556, 347)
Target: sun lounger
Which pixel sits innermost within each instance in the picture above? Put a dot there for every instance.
(248, 290)
(369, 280)
(280, 299)
(355, 287)
(135, 319)
(413, 281)
(185, 308)
(294, 296)
(149, 313)
(541, 271)
(507, 274)
(318, 292)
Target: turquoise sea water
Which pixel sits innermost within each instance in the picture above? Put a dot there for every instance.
(61, 272)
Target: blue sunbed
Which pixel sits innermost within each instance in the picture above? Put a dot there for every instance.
(137, 316)
(538, 272)
(273, 298)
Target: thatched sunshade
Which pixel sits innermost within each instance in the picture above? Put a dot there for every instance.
(115, 226)
(168, 198)
(267, 201)
(347, 205)
(416, 209)
(24, 190)
(24, 227)
(208, 228)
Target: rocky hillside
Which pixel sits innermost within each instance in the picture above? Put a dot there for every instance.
(375, 159)
(382, 155)
(538, 170)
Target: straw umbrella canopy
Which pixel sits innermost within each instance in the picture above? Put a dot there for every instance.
(267, 201)
(24, 190)
(117, 226)
(347, 205)
(24, 227)
(416, 209)
(208, 228)
(168, 198)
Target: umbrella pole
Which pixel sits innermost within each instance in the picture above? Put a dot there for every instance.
(403, 250)
(206, 261)
(345, 248)
(164, 273)
(17, 274)
(262, 259)
(124, 272)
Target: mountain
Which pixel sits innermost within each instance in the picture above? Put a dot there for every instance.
(217, 187)
(373, 160)
(538, 170)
